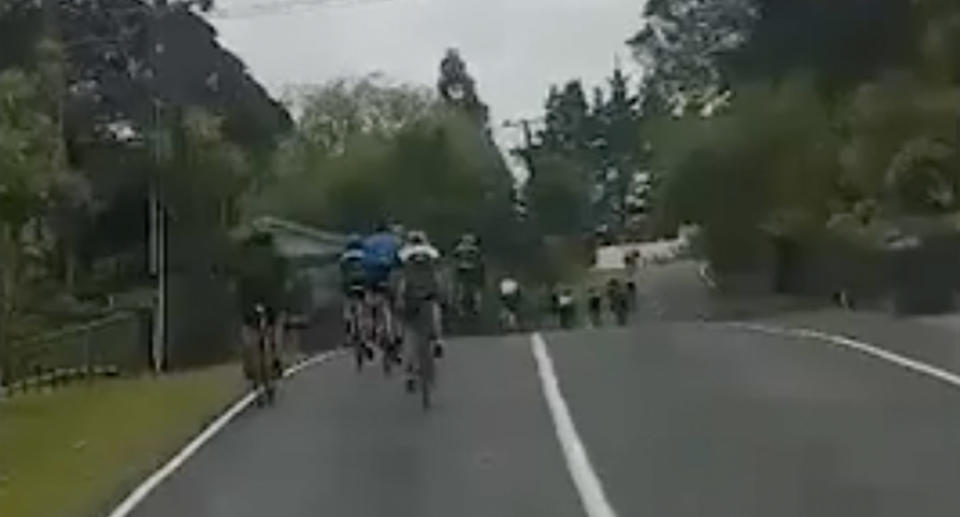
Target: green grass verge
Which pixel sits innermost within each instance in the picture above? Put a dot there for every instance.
(72, 452)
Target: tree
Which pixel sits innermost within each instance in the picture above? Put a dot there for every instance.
(923, 177)
(124, 93)
(458, 89)
(842, 43)
(681, 45)
(770, 163)
(372, 150)
(119, 96)
(695, 49)
(200, 188)
(563, 163)
(29, 148)
(567, 121)
(602, 142)
(622, 162)
(883, 116)
(334, 115)
(559, 197)
(940, 40)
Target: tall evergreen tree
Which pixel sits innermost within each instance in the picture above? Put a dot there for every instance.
(458, 89)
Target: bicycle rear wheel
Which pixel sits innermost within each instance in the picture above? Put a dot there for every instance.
(358, 336)
(426, 374)
(265, 384)
(389, 358)
(426, 367)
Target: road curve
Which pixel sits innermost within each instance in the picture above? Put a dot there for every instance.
(344, 444)
(679, 419)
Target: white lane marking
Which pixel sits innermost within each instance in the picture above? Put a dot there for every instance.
(592, 496)
(141, 492)
(860, 346)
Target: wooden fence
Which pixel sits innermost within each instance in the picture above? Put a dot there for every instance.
(113, 345)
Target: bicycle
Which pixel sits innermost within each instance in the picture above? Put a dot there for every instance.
(508, 320)
(266, 367)
(356, 331)
(595, 310)
(468, 299)
(423, 358)
(383, 331)
(566, 310)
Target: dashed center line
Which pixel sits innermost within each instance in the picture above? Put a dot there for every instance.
(592, 496)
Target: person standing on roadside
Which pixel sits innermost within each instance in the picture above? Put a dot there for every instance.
(595, 307)
(617, 296)
(566, 307)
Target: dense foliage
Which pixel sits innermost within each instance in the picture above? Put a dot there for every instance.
(803, 112)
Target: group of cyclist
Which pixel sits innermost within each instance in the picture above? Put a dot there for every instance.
(391, 274)
(392, 280)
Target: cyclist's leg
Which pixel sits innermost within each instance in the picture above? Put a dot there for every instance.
(248, 342)
(411, 360)
(280, 342)
(367, 313)
(352, 317)
(386, 315)
(271, 345)
(477, 296)
(459, 291)
(346, 315)
(436, 320)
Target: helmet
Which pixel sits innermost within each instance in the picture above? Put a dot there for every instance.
(260, 239)
(382, 226)
(417, 237)
(354, 242)
(468, 238)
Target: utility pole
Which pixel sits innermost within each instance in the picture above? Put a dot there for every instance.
(525, 125)
(155, 208)
(162, 149)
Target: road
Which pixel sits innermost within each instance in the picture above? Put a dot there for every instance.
(679, 418)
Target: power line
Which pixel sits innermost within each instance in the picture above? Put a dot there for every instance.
(275, 8)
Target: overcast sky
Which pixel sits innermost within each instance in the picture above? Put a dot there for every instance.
(514, 48)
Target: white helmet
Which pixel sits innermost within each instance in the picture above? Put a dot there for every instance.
(417, 237)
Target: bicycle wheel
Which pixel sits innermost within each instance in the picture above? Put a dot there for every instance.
(388, 357)
(359, 354)
(264, 395)
(425, 368)
(425, 356)
(359, 335)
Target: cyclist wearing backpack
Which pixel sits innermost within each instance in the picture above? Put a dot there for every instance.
(419, 295)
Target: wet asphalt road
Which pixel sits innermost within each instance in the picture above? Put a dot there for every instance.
(680, 419)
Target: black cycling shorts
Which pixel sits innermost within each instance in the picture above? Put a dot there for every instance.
(379, 287)
(251, 318)
(355, 290)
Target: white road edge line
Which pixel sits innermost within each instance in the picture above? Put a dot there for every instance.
(860, 346)
(141, 492)
(592, 496)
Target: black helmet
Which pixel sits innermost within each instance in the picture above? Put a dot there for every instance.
(260, 238)
(354, 242)
(383, 226)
